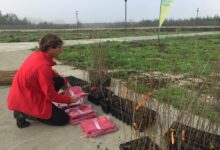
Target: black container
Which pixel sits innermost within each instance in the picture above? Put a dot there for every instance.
(121, 104)
(97, 95)
(76, 81)
(114, 111)
(144, 143)
(144, 118)
(194, 139)
(124, 110)
(105, 106)
(127, 118)
(94, 99)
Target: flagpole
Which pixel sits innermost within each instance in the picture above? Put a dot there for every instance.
(159, 22)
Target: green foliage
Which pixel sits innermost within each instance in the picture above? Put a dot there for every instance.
(14, 38)
(73, 35)
(177, 56)
(202, 109)
(138, 87)
(119, 74)
(180, 56)
(170, 56)
(78, 56)
(12, 19)
(173, 95)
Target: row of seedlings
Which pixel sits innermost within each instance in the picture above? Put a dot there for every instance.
(99, 81)
(124, 110)
(185, 137)
(121, 108)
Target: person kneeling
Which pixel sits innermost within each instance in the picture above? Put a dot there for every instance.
(35, 86)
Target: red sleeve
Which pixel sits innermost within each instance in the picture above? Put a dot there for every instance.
(45, 78)
(55, 74)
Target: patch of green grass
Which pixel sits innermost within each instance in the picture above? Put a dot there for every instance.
(14, 39)
(31, 36)
(181, 98)
(174, 95)
(202, 109)
(119, 74)
(181, 56)
(170, 56)
(79, 56)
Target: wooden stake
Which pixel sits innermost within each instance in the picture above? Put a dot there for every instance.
(146, 97)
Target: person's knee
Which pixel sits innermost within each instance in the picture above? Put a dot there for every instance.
(64, 120)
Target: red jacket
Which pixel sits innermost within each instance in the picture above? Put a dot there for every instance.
(32, 90)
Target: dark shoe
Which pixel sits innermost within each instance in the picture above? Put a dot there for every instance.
(21, 120)
(22, 123)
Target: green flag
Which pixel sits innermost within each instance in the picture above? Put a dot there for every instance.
(165, 7)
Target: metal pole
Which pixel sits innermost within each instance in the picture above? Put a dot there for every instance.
(76, 21)
(126, 17)
(197, 14)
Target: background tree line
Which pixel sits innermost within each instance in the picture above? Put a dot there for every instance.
(10, 20)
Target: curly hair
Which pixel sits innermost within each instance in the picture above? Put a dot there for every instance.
(50, 41)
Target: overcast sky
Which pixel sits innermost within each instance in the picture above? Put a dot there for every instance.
(63, 11)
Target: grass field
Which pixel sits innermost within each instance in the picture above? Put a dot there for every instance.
(192, 57)
(182, 55)
(19, 36)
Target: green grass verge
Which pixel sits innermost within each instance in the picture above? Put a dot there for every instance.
(180, 55)
(189, 56)
(32, 36)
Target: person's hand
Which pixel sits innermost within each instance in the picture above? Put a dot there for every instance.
(68, 85)
(74, 98)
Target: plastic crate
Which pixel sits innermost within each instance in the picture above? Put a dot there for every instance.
(125, 111)
(76, 81)
(193, 139)
(144, 143)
